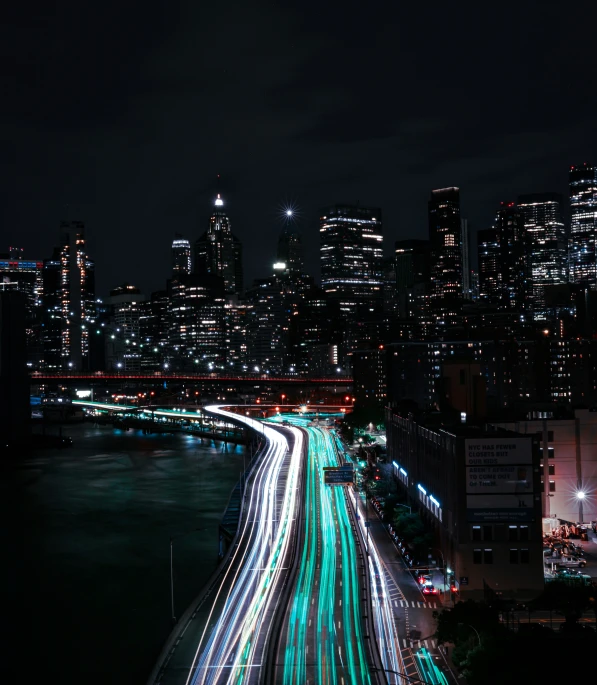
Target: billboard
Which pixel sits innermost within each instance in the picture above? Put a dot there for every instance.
(494, 479)
(495, 508)
(497, 451)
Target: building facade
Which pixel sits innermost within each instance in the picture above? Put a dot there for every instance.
(546, 252)
(445, 237)
(181, 256)
(582, 249)
(68, 301)
(218, 252)
(352, 257)
(480, 494)
(569, 483)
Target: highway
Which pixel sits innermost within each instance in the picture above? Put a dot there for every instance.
(322, 641)
(226, 638)
(325, 638)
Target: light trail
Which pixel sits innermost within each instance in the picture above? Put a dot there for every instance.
(385, 625)
(232, 651)
(324, 641)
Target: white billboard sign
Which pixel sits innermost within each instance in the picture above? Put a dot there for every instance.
(494, 479)
(497, 451)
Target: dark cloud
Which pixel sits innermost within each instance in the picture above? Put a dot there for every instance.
(127, 111)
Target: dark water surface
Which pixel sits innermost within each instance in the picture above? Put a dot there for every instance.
(85, 550)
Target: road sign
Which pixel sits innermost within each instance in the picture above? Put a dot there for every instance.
(338, 476)
(464, 580)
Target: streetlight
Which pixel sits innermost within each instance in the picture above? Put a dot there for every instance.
(410, 511)
(580, 496)
(473, 628)
(172, 538)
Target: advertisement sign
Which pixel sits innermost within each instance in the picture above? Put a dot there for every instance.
(497, 451)
(494, 479)
(496, 508)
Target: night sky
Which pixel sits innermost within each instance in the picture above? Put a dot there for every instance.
(126, 113)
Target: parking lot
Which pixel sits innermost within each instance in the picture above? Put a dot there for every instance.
(571, 557)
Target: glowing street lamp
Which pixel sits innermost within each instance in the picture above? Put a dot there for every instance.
(580, 497)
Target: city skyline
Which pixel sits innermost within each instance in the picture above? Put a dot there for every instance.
(296, 221)
(124, 131)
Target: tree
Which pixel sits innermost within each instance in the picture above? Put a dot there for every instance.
(565, 598)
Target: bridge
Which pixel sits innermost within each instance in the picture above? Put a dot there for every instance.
(70, 377)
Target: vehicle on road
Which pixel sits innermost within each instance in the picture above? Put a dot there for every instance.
(429, 589)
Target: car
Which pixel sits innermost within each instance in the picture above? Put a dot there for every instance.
(424, 580)
(570, 562)
(429, 589)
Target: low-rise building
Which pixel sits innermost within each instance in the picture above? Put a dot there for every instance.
(569, 485)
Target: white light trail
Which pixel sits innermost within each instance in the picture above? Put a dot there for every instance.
(229, 653)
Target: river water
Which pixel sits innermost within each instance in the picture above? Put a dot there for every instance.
(86, 550)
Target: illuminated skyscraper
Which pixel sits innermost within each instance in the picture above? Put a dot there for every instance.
(545, 247)
(488, 255)
(445, 237)
(181, 256)
(196, 322)
(466, 263)
(583, 225)
(352, 257)
(68, 300)
(218, 252)
(412, 278)
(290, 250)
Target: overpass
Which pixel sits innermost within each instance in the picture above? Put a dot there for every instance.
(70, 377)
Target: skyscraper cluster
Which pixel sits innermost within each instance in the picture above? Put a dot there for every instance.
(536, 277)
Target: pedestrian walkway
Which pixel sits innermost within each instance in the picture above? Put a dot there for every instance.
(419, 644)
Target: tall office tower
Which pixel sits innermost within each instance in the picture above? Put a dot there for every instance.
(181, 256)
(25, 276)
(412, 277)
(466, 262)
(545, 247)
(124, 346)
(267, 327)
(290, 250)
(509, 228)
(218, 252)
(154, 331)
(445, 238)
(583, 225)
(68, 300)
(352, 257)
(390, 293)
(488, 255)
(196, 319)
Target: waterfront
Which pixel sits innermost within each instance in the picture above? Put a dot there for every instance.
(86, 535)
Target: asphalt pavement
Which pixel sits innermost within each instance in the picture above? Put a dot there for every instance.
(413, 610)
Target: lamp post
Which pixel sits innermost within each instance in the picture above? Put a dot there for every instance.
(580, 496)
(410, 511)
(172, 538)
(473, 628)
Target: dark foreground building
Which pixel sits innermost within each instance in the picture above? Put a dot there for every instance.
(480, 491)
(14, 379)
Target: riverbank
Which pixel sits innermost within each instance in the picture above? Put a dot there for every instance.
(86, 539)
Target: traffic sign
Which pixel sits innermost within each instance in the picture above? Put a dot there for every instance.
(338, 476)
